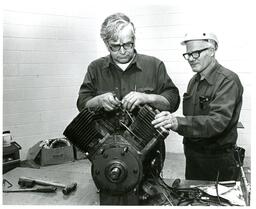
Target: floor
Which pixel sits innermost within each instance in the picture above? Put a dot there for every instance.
(174, 166)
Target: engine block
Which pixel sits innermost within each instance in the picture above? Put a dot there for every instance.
(121, 146)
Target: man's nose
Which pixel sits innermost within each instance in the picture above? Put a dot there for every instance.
(122, 50)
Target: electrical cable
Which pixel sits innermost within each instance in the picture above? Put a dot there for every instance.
(216, 186)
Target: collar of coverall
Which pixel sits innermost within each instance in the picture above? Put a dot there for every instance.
(135, 60)
(208, 72)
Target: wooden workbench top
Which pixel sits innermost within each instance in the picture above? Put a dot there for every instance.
(77, 171)
(86, 193)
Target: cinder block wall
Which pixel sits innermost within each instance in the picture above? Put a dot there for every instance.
(44, 60)
(47, 49)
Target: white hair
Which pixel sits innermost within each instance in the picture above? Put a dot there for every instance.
(113, 24)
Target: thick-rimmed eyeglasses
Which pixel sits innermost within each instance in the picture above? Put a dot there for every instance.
(117, 47)
(194, 54)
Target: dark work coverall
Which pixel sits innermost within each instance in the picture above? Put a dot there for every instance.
(211, 107)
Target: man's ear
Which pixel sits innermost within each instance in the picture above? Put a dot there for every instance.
(212, 52)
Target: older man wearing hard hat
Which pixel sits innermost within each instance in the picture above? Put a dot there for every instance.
(211, 109)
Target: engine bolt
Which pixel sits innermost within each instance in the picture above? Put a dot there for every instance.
(101, 151)
(124, 151)
(135, 171)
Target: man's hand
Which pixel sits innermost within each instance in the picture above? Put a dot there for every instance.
(133, 99)
(165, 119)
(108, 101)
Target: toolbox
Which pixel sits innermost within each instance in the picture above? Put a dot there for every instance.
(56, 156)
(43, 155)
(11, 156)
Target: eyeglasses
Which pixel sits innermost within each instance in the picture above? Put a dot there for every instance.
(117, 47)
(194, 54)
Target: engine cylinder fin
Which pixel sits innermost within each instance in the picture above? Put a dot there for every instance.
(142, 126)
(81, 131)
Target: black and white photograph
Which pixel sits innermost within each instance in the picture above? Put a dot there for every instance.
(128, 103)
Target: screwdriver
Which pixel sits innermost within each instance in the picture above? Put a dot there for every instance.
(49, 189)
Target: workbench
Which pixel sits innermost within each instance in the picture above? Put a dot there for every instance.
(79, 172)
(86, 193)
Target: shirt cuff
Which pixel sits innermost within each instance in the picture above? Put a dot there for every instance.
(182, 128)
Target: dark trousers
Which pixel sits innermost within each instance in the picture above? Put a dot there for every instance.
(207, 165)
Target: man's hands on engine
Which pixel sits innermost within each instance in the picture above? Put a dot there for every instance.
(133, 99)
(109, 102)
(163, 119)
(167, 120)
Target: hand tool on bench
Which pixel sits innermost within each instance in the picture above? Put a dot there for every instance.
(30, 182)
(48, 189)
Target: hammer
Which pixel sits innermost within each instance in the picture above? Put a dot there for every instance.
(48, 189)
(30, 182)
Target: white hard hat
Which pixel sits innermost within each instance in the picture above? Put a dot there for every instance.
(200, 36)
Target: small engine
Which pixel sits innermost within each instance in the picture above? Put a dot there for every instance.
(123, 147)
